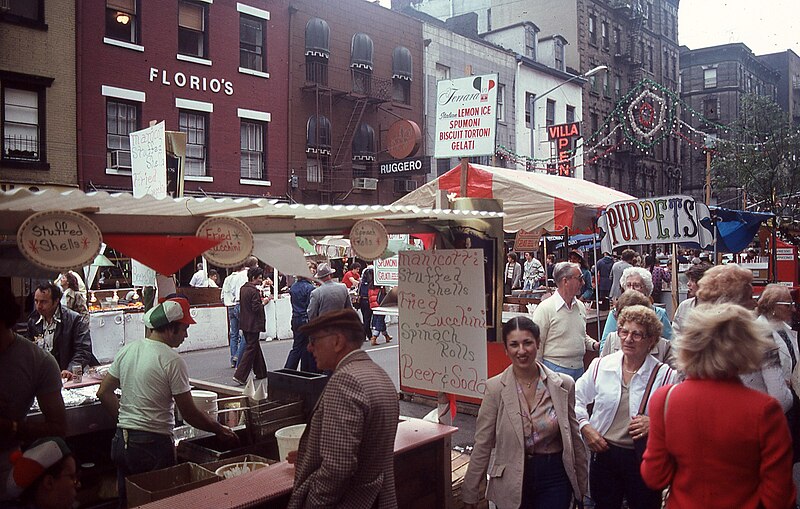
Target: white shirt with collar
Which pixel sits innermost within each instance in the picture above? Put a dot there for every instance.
(601, 384)
(48, 329)
(563, 338)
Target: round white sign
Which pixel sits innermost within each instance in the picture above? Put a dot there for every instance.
(236, 241)
(368, 239)
(59, 239)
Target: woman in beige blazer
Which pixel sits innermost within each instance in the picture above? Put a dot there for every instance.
(528, 417)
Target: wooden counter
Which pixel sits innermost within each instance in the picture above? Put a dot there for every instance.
(422, 476)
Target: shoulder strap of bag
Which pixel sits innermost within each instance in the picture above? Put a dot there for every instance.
(650, 382)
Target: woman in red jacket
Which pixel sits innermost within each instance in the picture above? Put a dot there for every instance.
(715, 442)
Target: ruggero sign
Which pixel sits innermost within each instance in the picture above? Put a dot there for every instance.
(415, 165)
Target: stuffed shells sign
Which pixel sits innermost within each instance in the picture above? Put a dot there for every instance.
(662, 220)
(59, 240)
(442, 329)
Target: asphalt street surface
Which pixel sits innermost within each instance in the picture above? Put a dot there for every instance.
(214, 366)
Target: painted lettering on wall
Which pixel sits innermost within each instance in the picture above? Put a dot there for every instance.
(190, 81)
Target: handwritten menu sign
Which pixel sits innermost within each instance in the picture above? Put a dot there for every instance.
(441, 299)
(149, 161)
(236, 240)
(59, 240)
(368, 239)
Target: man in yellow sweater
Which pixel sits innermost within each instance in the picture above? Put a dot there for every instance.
(562, 323)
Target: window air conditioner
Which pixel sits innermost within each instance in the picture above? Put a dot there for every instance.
(365, 183)
(121, 159)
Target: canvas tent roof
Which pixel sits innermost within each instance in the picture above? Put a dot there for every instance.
(531, 201)
(274, 224)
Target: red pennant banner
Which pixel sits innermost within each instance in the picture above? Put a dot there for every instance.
(166, 254)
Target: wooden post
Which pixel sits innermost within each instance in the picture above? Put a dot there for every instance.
(674, 280)
(708, 176)
(464, 175)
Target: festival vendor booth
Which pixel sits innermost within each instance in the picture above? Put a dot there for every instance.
(63, 230)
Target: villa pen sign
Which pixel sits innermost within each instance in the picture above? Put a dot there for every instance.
(441, 300)
(59, 240)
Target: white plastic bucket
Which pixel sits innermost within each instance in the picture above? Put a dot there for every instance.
(206, 401)
(288, 439)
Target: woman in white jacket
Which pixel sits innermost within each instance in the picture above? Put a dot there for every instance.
(616, 384)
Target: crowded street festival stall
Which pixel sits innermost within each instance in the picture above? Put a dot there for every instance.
(46, 232)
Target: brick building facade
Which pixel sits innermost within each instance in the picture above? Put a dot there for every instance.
(213, 70)
(355, 68)
(37, 89)
(713, 83)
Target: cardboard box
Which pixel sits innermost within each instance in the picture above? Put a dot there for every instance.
(158, 484)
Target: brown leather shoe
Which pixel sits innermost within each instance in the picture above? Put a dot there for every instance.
(373, 340)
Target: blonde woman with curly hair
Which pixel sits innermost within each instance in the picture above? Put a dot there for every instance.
(733, 284)
(717, 443)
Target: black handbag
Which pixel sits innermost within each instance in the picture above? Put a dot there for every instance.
(640, 444)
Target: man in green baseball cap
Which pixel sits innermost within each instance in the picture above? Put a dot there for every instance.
(153, 377)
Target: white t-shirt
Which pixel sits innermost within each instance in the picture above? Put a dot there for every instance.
(150, 375)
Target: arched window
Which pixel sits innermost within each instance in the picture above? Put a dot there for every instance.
(361, 63)
(318, 36)
(363, 151)
(401, 75)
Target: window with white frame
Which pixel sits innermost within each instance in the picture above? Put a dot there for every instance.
(442, 72)
(314, 169)
(122, 118)
(710, 77)
(604, 34)
(195, 125)
(22, 130)
(122, 22)
(192, 29)
(253, 150)
(530, 42)
(251, 43)
(592, 29)
(501, 103)
(558, 48)
(529, 99)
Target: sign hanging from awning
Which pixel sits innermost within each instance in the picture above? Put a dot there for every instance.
(59, 240)
(234, 240)
(662, 220)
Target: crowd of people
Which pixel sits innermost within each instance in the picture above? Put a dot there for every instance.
(694, 412)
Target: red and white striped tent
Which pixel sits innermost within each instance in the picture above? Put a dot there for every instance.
(531, 201)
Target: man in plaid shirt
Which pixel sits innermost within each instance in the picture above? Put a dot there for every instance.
(346, 454)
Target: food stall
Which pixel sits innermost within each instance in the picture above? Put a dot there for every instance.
(422, 449)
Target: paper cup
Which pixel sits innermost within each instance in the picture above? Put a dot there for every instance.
(288, 439)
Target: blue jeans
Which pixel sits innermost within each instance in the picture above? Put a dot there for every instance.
(545, 484)
(574, 373)
(614, 474)
(235, 336)
(299, 353)
(143, 451)
(378, 324)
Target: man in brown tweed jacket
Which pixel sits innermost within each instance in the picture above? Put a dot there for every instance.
(346, 455)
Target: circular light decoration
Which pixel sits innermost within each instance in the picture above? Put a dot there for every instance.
(648, 117)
